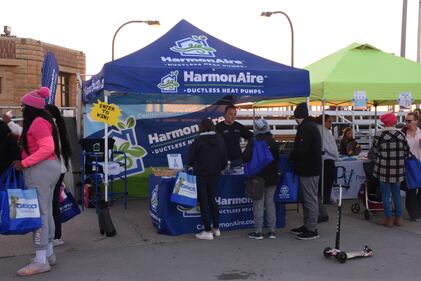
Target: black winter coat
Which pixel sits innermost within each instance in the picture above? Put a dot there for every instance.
(208, 155)
(307, 153)
(9, 149)
(270, 172)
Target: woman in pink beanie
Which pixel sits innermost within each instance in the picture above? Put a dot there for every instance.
(390, 149)
(389, 119)
(41, 170)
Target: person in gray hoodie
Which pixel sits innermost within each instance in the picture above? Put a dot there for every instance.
(271, 178)
(329, 155)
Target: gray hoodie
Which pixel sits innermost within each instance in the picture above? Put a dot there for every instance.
(330, 147)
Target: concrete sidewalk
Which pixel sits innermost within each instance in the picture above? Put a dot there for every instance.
(139, 253)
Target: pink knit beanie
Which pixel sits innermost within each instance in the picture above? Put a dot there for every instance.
(36, 98)
(389, 119)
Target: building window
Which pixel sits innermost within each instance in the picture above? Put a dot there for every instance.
(1, 85)
(63, 90)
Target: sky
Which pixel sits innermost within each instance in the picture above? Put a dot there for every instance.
(321, 27)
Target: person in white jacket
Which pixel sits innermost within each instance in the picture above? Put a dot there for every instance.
(329, 155)
(14, 127)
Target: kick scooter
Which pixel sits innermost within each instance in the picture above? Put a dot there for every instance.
(342, 256)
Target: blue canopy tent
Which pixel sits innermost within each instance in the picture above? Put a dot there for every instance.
(189, 66)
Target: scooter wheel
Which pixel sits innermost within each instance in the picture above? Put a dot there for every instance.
(341, 257)
(366, 214)
(355, 208)
(326, 252)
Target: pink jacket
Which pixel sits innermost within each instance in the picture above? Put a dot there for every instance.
(40, 143)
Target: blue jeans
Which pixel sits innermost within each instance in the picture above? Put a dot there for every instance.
(386, 188)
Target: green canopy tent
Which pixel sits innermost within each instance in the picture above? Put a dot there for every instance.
(361, 67)
(358, 67)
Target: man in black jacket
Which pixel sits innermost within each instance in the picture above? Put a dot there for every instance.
(231, 131)
(307, 159)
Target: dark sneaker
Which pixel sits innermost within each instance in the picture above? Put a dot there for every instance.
(308, 235)
(271, 235)
(298, 230)
(322, 219)
(255, 235)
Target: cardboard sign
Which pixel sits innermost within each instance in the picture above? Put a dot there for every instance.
(105, 113)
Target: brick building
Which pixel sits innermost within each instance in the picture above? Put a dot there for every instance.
(20, 69)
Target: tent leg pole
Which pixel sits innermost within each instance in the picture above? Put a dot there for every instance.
(323, 151)
(106, 94)
(375, 118)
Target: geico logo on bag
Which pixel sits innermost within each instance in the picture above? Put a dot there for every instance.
(29, 206)
(192, 188)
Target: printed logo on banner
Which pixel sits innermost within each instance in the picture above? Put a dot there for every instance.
(226, 206)
(164, 143)
(194, 46)
(126, 141)
(169, 83)
(154, 198)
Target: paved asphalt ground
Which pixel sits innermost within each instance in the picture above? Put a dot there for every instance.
(139, 253)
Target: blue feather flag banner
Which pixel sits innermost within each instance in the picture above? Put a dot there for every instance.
(49, 76)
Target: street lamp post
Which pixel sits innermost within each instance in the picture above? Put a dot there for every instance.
(403, 32)
(268, 14)
(106, 94)
(148, 22)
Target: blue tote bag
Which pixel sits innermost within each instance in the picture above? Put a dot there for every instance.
(19, 206)
(68, 205)
(287, 189)
(185, 190)
(413, 173)
(260, 158)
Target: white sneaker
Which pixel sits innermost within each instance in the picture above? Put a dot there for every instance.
(216, 232)
(58, 242)
(205, 235)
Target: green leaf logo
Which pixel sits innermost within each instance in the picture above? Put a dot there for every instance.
(136, 151)
(124, 147)
(121, 125)
(130, 122)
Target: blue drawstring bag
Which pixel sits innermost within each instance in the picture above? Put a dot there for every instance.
(260, 158)
(413, 173)
(19, 206)
(68, 205)
(287, 189)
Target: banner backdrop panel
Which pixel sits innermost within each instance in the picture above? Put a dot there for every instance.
(235, 209)
(348, 172)
(147, 142)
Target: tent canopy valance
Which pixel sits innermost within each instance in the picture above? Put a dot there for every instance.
(188, 65)
(361, 67)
